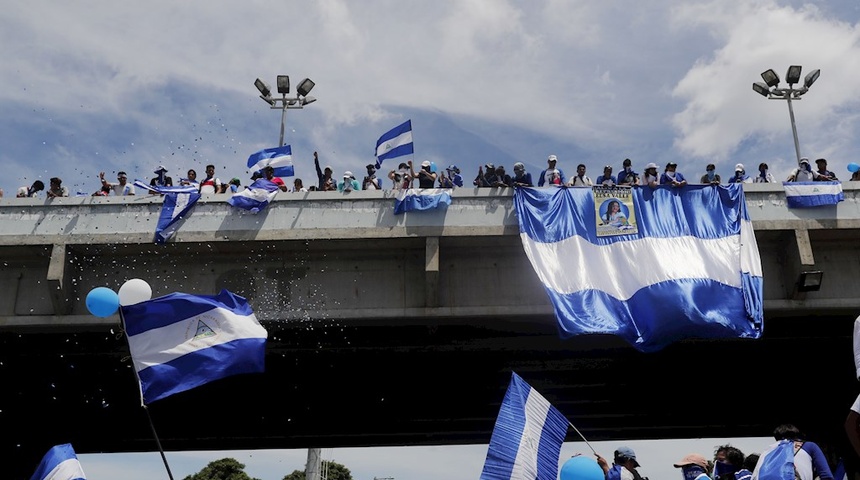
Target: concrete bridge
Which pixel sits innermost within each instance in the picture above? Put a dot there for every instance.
(395, 329)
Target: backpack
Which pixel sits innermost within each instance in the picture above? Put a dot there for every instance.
(778, 464)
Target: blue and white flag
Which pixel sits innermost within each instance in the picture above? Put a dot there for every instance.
(60, 463)
(397, 142)
(692, 270)
(412, 200)
(176, 206)
(256, 197)
(527, 438)
(812, 194)
(182, 341)
(166, 190)
(279, 158)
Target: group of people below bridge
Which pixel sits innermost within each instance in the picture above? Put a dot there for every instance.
(406, 176)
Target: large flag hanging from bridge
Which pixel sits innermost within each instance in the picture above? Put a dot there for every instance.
(182, 341)
(812, 194)
(670, 264)
(527, 437)
(177, 205)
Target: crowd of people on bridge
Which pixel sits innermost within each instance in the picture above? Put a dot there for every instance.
(427, 175)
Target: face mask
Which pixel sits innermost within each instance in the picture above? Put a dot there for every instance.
(690, 472)
(670, 174)
(711, 174)
(763, 172)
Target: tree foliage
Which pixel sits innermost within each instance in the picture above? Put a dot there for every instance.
(224, 469)
(328, 471)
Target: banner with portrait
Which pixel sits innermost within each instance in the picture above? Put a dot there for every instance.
(614, 211)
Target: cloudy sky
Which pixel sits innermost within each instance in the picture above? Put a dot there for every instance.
(112, 86)
(95, 86)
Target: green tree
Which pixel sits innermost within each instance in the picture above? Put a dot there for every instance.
(224, 469)
(328, 471)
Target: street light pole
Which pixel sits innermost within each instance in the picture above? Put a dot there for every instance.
(770, 89)
(285, 103)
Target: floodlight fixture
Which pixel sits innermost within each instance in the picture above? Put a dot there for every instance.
(811, 77)
(810, 281)
(283, 84)
(792, 76)
(263, 88)
(770, 77)
(269, 100)
(761, 89)
(305, 87)
(307, 100)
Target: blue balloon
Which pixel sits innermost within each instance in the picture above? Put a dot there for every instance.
(853, 167)
(581, 467)
(433, 167)
(102, 302)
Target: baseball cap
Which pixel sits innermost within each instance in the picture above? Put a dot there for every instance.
(627, 161)
(371, 165)
(626, 452)
(551, 158)
(821, 160)
(347, 174)
(650, 165)
(607, 167)
(671, 164)
(740, 167)
(425, 163)
(804, 160)
(693, 459)
(490, 166)
(160, 169)
(328, 167)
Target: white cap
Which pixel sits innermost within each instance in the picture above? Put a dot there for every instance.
(425, 163)
(740, 167)
(551, 158)
(804, 160)
(347, 174)
(650, 165)
(160, 169)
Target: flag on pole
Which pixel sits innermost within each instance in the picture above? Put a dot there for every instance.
(279, 158)
(411, 200)
(60, 463)
(812, 194)
(256, 197)
(397, 142)
(690, 269)
(527, 437)
(182, 341)
(166, 190)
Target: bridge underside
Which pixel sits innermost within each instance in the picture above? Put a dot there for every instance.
(328, 384)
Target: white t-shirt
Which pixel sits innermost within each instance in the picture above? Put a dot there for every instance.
(127, 189)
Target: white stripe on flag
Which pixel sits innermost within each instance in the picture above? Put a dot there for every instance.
(402, 139)
(536, 408)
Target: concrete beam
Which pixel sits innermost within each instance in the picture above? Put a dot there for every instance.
(431, 272)
(804, 247)
(57, 280)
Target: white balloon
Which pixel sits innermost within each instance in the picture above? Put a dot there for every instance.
(134, 291)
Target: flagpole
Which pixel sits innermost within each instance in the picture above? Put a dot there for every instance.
(582, 436)
(142, 404)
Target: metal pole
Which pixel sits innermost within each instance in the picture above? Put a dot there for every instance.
(284, 117)
(312, 468)
(793, 126)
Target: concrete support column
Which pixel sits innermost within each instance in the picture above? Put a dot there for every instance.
(804, 247)
(431, 272)
(57, 280)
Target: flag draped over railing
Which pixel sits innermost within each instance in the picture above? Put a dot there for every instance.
(182, 341)
(394, 143)
(279, 158)
(412, 200)
(812, 194)
(177, 205)
(690, 268)
(60, 463)
(527, 438)
(256, 197)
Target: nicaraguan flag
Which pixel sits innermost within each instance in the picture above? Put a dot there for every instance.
(397, 142)
(175, 207)
(60, 463)
(279, 158)
(527, 438)
(411, 199)
(692, 270)
(812, 194)
(256, 197)
(166, 190)
(181, 341)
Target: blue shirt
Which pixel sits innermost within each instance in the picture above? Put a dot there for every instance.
(665, 179)
(610, 179)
